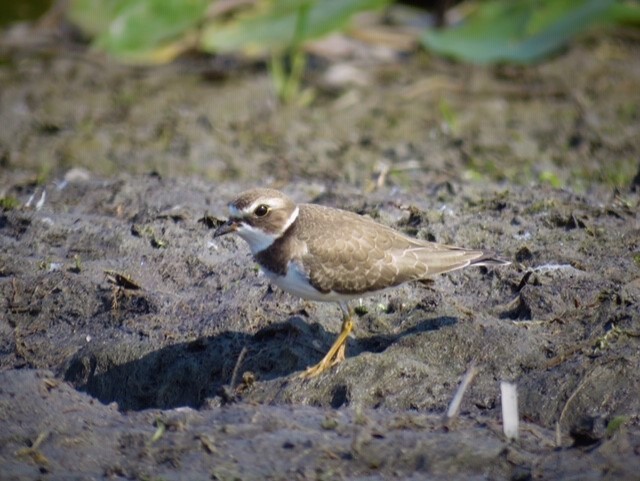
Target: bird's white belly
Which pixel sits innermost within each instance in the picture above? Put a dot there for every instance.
(297, 283)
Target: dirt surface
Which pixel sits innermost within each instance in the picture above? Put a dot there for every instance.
(135, 346)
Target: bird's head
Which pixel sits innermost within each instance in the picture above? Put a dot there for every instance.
(259, 216)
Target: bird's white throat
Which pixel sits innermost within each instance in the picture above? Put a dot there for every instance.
(257, 239)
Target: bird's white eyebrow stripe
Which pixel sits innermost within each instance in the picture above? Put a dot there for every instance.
(274, 203)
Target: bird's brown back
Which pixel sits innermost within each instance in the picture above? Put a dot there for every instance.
(350, 254)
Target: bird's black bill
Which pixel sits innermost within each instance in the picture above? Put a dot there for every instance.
(230, 226)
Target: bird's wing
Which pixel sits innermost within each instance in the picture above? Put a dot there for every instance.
(359, 255)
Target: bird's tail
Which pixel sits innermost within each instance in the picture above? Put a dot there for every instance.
(489, 259)
(448, 258)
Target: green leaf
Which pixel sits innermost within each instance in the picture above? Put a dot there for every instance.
(626, 13)
(93, 16)
(521, 31)
(272, 25)
(137, 29)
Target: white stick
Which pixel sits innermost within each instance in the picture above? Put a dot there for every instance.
(509, 393)
(40, 203)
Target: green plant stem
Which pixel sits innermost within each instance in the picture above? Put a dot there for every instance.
(287, 83)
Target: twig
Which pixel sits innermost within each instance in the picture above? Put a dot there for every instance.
(454, 406)
(234, 374)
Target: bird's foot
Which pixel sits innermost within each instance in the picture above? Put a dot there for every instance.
(328, 361)
(335, 355)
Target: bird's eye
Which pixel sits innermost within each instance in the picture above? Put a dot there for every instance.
(261, 210)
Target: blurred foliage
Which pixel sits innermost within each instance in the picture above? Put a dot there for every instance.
(489, 31)
(151, 31)
(524, 31)
(519, 31)
(281, 27)
(154, 31)
(275, 24)
(11, 12)
(288, 76)
(139, 30)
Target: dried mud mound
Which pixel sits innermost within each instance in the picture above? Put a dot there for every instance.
(119, 289)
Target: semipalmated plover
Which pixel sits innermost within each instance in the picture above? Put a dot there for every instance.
(325, 254)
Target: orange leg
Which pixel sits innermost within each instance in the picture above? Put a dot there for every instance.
(336, 353)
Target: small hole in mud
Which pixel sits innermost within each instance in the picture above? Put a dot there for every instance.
(340, 397)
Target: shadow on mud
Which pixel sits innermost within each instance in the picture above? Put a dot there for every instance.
(225, 365)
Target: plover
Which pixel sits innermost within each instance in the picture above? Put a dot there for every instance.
(325, 254)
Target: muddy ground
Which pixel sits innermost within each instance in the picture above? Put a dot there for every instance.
(135, 346)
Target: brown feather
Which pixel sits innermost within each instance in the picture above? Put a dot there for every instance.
(357, 255)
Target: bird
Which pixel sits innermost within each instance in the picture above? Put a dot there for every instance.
(325, 254)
